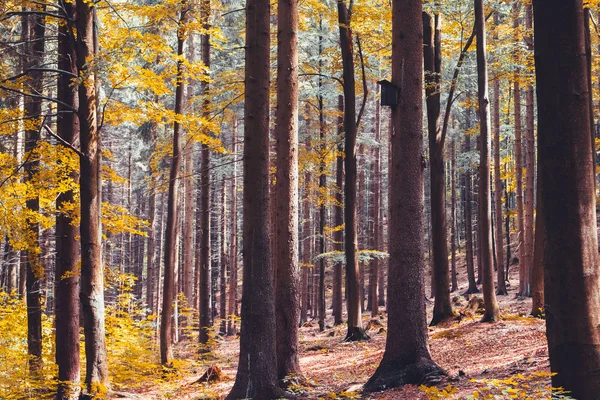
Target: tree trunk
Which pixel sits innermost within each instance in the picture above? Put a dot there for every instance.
(453, 215)
(223, 258)
(92, 280)
(257, 372)
(204, 231)
(530, 161)
(67, 251)
(521, 239)
(233, 242)
(355, 328)
(376, 212)
(151, 282)
(485, 211)
(501, 288)
(537, 271)
(172, 228)
(287, 296)
(338, 218)
(468, 195)
(34, 29)
(432, 56)
(188, 221)
(566, 171)
(306, 254)
(406, 359)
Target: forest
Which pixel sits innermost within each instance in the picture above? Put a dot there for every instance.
(317, 199)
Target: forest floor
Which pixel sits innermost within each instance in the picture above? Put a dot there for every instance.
(499, 357)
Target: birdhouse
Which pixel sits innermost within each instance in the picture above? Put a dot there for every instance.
(389, 93)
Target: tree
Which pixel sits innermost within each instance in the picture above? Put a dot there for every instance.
(67, 252)
(432, 55)
(233, 241)
(257, 372)
(172, 230)
(406, 358)
(338, 218)
(355, 329)
(468, 196)
(572, 286)
(501, 289)
(287, 296)
(485, 212)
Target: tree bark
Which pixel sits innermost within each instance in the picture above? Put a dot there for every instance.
(204, 232)
(566, 171)
(287, 296)
(172, 228)
(432, 56)
(338, 218)
(501, 281)
(92, 280)
(530, 160)
(67, 252)
(233, 242)
(406, 359)
(257, 372)
(485, 212)
(468, 195)
(376, 212)
(355, 328)
(453, 215)
(521, 239)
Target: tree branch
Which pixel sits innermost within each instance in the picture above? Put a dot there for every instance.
(364, 79)
(62, 141)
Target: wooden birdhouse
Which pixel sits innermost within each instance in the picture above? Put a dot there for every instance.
(389, 93)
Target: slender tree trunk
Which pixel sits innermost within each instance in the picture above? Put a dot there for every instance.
(172, 228)
(468, 195)
(406, 359)
(188, 221)
(360, 219)
(571, 278)
(306, 254)
(453, 216)
(537, 272)
(485, 211)
(257, 372)
(67, 252)
(432, 56)
(204, 232)
(92, 280)
(151, 282)
(376, 212)
(530, 161)
(338, 218)
(501, 288)
(233, 242)
(521, 239)
(287, 296)
(34, 29)
(355, 329)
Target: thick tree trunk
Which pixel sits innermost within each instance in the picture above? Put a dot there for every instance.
(338, 218)
(92, 280)
(204, 231)
(172, 228)
(432, 56)
(501, 281)
(355, 328)
(485, 211)
(566, 171)
(257, 372)
(34, 29)
(67, 251)
(287, 296)
(406, 359)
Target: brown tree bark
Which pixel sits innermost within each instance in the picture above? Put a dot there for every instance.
(376, 213)
(530, 160)
(566, 172)
(257, 372)
(92, 281)
(34, 30)
(306, 253)
(501, 281)
(485, 211)
(67, 251)
(521, 238)
(406, 359)
(537, 271)
(355, 328)
(172, 228)
(338, 218)
(468, 196)
(204, 231)
(287, 296)
(432, 56)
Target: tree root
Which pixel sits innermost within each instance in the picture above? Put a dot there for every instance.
(356, 334)
(390, 375)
